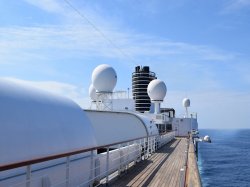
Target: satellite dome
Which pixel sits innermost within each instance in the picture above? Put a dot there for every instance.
(186, 102)
(104, 78)
(157, 90)
(207, 139)
(92, 92)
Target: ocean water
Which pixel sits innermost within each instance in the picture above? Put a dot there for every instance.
(226, 161)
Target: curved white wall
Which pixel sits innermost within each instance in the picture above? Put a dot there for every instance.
(34, 124)
(111, 127)
(148, 122)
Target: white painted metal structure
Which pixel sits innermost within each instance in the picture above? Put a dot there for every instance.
(183, 126)
(186, 102)
(92, 93)
(149, 123)
(112, 127)
(49, 140)
(123, 104)
(35, 123)
(158, 118)
(104, 78)
(157, 91)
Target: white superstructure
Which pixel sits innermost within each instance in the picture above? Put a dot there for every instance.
(186, 124)
(110, 127)
(49, 140)
(36, 124)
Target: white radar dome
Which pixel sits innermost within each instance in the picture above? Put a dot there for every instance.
(92, 92)
(207, 139)
(186, 102)
(104, 78)
(157, 90)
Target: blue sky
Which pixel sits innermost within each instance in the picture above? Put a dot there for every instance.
(199, 48)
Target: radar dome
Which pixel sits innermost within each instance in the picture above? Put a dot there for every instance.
(104, 78)
(207, 139)
(186, 102)
(157, 90)
(92, 92)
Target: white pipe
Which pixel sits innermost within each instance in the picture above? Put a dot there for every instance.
(157, 108)
(186, 112)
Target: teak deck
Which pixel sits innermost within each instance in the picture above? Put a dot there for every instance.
(161, 169)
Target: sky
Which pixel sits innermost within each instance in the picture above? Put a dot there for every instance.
(200, 49)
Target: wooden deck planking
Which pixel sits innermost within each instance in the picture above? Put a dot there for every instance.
(161, 169)
(168, 175)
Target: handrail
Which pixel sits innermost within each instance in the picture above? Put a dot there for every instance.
(192, 172)
(128, 152)
(66, 154)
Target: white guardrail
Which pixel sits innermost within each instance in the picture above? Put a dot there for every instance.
(84, 167)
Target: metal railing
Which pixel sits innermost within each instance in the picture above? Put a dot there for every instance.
(95, 169)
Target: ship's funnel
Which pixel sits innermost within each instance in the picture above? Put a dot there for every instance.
(140, 80)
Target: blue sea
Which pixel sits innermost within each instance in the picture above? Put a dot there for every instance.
(226, 161)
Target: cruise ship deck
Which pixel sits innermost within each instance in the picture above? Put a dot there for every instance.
(57, 143)
(163, 168)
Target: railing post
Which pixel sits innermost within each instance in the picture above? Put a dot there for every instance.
(28, 175)
(154, 143)
(67, 171)
(144, 150)
(140, 150)
(134, 146)
(120, 165)
(92, 168)
(127, 157)
(107, 167)
(148, 147)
